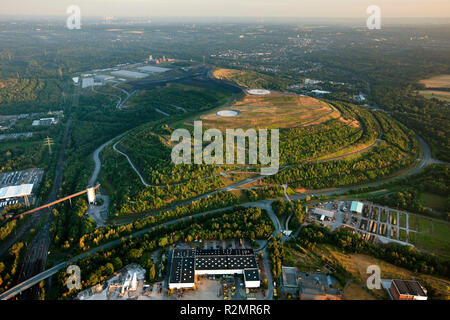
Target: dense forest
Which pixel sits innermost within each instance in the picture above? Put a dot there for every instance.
(433, 180)
(79, 236)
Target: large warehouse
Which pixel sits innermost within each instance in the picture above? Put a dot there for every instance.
(152, 69)
(188, 263)
(12, 192)
(129, 74)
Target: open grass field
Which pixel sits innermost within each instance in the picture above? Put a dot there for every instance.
(437, 94)
(273, 111)
(433, 201)
(441, 81)
(433, 235)
(303, 260)
(356, 292)
(356, 265)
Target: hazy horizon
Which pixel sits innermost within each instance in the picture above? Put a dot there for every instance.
(230, 8)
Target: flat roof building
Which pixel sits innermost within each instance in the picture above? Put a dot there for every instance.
(289, 275)
(317, 286)
(356, 207)
(323, 212)
(187, 263)
(151, 69)
(20, 191)
(407, 290)
(87, 82)
(251, 278)
(129, 74)
(102, 78)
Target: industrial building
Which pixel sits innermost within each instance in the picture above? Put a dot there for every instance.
(44, 122)
(309, 286)
(129, 74)
(322, 213)
(407, 290)
(10, 195)
(101, 79)
(317, 286)
(21, 191)
(87, 82)
(289, 276)
(186, 264)
(151, 69)
(19, 186)
(356, 207)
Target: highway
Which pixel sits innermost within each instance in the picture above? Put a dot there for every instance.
(97, 162)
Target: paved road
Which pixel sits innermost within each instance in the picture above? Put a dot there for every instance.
(98, 163)
(111, 95)
(132, 165)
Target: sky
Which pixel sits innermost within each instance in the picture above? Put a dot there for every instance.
(229, 8)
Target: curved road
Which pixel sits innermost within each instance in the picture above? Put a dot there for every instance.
(98, 163)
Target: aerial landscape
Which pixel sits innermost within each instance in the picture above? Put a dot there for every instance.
(232, 159)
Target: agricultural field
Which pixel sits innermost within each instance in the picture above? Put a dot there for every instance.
(434, 84)
(441, 81)
(436, 94)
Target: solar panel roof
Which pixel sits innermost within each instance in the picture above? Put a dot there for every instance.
(186, 261)
(409, 287)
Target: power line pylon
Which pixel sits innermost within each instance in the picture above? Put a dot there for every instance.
(48, 142)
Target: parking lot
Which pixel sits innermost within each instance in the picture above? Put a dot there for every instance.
(16, 178)
(15, 135)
